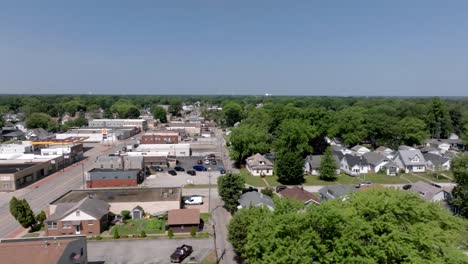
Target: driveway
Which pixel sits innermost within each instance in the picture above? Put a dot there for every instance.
(145, 251)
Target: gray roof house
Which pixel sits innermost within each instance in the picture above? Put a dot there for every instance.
(312, 164)
(436, 162)
(429, 192)
(375, 160)
(354, 165)
(360, 150)
(410, 160)
(258, 165)
(94, 207)
(335, 191)
(256, 199)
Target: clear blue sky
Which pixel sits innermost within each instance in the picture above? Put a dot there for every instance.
(400, 48)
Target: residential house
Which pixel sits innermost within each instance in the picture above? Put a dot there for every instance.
(249, 199)
(410, 161)
(429, 192)
(21, 126)
(312, 164)
(258, 165)
(183, 220)
(391, 168)
(153, 201)
(430, 149)
(38, 134)
(354, 165)
(334, 141)
(360, 150)
(99, 178)
(375, 160)
(44, 250)
(384, 151)
(330, 192)
(441, 144)
(89, 216)
(404, 147)
(299, 194)
(436, 162)
(14, 135)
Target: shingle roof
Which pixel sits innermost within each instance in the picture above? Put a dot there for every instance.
(374, 158)
(94, 207)
(384, 149)
(359, 147)
(297, 193)
(257, 161)
(355, 160)
(183, 217)
(255, 199)
(424, 189)
(335, 191)
(315, 160)
(437, 160)
(407, 155)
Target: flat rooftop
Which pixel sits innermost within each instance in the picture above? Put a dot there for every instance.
(12, 168)
(123, 195)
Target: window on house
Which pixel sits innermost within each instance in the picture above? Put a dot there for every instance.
(67, 225)
(102, 166)
(90, 222)
(52, 225)
(77, 213)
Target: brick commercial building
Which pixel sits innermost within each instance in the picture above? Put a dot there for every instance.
(89, 216)
(161, 137)
(44, 250)
(98, 178)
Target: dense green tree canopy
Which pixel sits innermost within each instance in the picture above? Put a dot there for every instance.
(459, 169)
(327, 166)
(232, 113)
(229, 188)
(290, 167)
(295, 135)
(438, 119)
(159, 113)
(412, 131)
(247, 140)
(125, 109)
(38, 120)
(372, 226)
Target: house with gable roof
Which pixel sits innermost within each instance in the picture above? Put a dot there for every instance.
(410, 160)
(258, 165)
(312, 164)
(436, 162)
(360, 150)
(354, 165)
(375, 160)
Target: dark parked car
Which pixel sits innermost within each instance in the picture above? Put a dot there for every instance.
(280, 188)
(250, 189)
(178, 168)
(181, 253)
(364, 184)
(172, 172)
(213, 162)
(157, 168)
(191, 172)
(200, 162)
(211, 155)
(200, 168)
(407, 187)
(222, 170)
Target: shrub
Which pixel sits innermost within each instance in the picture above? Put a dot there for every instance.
(125, 214)
(116, 233)
(193, 231)
(143, 233)
(170, 233)
(267, 191)
(98, 237)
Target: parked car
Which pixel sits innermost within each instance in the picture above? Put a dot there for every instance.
(211, 155)
(178, 168)
(213, 162)
(181, 253)
(363, 184)
(280, 188)
(222, 170)
(157, 168)
(250, 189)
(406, 187)
(191, 200)
(200, 162)
(207, 162)
(191, 172)
(200, 168)
(172, 172)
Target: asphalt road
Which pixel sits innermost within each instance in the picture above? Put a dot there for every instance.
(42, 192)
(145, 251)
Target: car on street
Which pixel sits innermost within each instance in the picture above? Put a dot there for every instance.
(192, 200)
(200, 162)
(406, 187)
(207, 162)
(181, 253)
(178, 168)
(211, 155)
(191, 172)
(157, 168)
(200, 168)
(250, 189)
(213, 162)
(172, 172)
(280, 188)
(364, 184)
(222, 170)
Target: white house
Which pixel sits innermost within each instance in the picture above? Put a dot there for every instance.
(360, 150)
(354, 165)
(410, 160)
(436, 162)
(312, 164)
(375, 160)
(258, 165)
(441, 144)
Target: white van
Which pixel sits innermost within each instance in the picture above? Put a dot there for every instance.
(193, 200)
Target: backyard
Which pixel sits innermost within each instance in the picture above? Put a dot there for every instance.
(134, 227)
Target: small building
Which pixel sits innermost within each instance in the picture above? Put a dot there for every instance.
(44, 250)
(354, 165)
(89, 216)
(410, 161)
(360, 150)
(161, 137)
(375, 160)
(123, 162)
(138, 212)
(258, 165)
(384, 151)
(312, 164)
(436, 162)
(299, 194)
(249, 199)
(179, 150)
(99, 178)
(429, 192)
(183, 220)
(38, 134)
(390, 168)
(71, 152)
(335, 191)
(442, 144)
(139, 123)
(156, 161)
(21, 148)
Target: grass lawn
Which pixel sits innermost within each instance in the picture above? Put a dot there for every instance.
(134, 227)
(250, 179)
(205, 217)
(31, 235)
(437, 177)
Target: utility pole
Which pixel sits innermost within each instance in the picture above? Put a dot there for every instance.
(83, 175)
(209, 190)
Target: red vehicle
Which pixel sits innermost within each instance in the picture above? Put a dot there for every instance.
(211, 155)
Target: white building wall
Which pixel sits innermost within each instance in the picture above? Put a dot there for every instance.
(74, 217)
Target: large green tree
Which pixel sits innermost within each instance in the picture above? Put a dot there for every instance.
(230, 188)
(232, 112)
(125, 109)
(327, 166)
(22, 212)
(290, 167)
(372, 226)
(247, 140)
(412, 131)
(438, 119)
(38, 120)
(350, 124)
(295, 134)
(459, 169)
(159, 113)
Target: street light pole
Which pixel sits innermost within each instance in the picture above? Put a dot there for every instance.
(209, 190)
(83, 175)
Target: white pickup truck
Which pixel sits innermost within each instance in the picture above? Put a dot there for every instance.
(193, 200)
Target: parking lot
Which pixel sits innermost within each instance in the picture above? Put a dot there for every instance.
(145, 251)
(164, 179)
